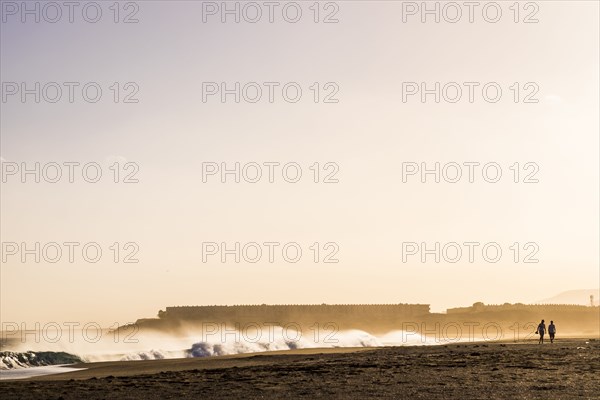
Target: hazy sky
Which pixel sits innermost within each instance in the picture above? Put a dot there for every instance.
(369, 133)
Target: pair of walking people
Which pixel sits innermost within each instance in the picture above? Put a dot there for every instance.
(541, 330)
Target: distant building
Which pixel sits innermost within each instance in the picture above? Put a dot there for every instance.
(507, 307)
(315, 312)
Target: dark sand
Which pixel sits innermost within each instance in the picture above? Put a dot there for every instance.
(567, 369)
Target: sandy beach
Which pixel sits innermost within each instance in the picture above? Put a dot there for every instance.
(567, 369)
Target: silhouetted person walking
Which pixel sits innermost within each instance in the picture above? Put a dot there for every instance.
(541, 330)
(551, 331)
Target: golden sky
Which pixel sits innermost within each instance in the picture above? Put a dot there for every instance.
(368, 135)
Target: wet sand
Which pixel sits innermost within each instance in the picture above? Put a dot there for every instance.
(567, 369)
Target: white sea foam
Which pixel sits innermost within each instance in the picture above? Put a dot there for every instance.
(193, 343)
(23, 373)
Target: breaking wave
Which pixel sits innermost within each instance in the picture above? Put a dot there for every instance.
(165, 346)
(14, 360)
(231, 344)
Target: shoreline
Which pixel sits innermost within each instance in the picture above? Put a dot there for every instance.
(102, 369)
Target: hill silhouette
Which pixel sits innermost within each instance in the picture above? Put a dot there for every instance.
(579, 296)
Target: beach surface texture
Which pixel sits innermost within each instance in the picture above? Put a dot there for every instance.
(567, 369)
